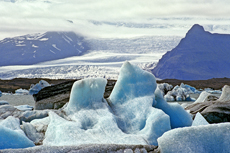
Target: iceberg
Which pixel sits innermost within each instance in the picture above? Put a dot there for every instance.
(131, 101)
(178, 116)
(181, 93)
(11, 135)
(24, 107)
(202, 139)
(199, 120)
(132, 82)
(34, 89)
(127, 118)
(21, 92)
(3, 102)
(0, 94)
(165, 87)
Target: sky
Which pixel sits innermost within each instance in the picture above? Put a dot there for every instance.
(112, 18)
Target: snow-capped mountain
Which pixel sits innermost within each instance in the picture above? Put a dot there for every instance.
(36, 48)
(200, 55)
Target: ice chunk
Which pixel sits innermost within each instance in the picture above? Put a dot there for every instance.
(178, 116)
(209, 90)
(137, 116)
(165, 87)
(3, 102)
(132, 82)
(181, 93)
(34, 89)
(32, 133)
(41, 124)
(202, 139)
(92, 121)
(199, 120)
(86, 94)
(24, 107)
(0, 93)
(21, 92)
(225, 96)
(11, 135)
(131, 101)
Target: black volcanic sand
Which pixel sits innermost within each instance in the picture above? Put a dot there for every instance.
(24, 83)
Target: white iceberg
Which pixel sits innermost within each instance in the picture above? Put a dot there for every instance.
(128, 117)
(3, 102)
(178, 116)
(211, 91)
(11, 135)
(21, 92)
(181, 93)
(34, 89)
(199, 120)
(165, 87)
(131, 101)
(24, 107)
(203, 139)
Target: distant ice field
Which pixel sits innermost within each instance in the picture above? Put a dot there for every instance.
(103, 60)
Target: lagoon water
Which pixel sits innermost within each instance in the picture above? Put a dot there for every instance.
(16, 100)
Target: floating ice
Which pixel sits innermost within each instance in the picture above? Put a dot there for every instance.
(203, 139)
(206, 96)
(92, 121)
(131, 101)
(11, 135)
(225, 96)
(86, 94)
(181, 93)
(0, 93)
(209, 90)
(199, 120)
(21, 92)
(3, 102)
(132, 82)
(165, 87)
(178, 116)
(32, 133)
(24, 107)
(34, 89)
(128, 117)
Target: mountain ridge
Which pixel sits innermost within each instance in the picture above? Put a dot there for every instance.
(36, 48)
(200, 55)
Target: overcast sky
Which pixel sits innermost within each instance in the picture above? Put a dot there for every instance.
(104, 18)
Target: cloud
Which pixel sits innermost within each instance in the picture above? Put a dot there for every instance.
(29, 16)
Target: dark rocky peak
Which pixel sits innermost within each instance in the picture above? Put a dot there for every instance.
(196, 30)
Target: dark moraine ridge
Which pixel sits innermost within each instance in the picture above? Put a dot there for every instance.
(24, 83)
